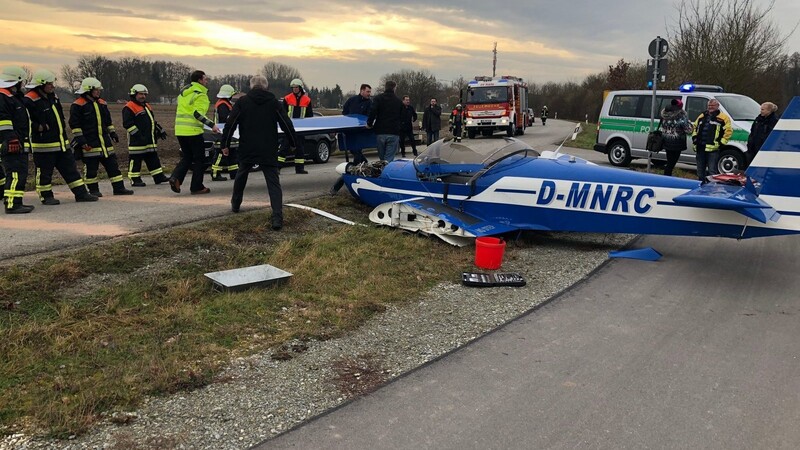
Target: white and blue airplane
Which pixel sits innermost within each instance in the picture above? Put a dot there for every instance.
(454, 192)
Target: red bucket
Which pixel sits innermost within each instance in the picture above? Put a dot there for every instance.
(489, 252)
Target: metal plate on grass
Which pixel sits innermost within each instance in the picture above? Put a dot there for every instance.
(247, 277)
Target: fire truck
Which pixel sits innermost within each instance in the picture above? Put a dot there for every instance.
(499, 103)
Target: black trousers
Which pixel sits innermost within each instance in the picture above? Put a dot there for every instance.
(672, 159)
(16, 175)
(193, 155)
(110, 163)
(272, 177)
(299, 154)
(407, 134)
(153, 165)
(64, 162)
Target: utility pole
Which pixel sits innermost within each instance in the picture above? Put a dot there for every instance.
(494, 61)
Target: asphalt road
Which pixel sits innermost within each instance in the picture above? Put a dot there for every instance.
(71, 224)
(698, 350)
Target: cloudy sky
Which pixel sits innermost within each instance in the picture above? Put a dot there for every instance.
(353, 41)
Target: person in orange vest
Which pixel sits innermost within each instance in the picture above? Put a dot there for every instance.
(298, 106)
(222, 163)
(93, 132)
(457, 122)
(49, 141)
(143, 132)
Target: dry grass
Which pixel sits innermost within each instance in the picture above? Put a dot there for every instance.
(98, 329)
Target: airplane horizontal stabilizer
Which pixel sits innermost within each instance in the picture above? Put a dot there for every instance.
(728, 197)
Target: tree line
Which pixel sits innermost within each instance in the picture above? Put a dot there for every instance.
(731, 43)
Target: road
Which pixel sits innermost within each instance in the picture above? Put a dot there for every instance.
(698, 350)
(153, 207)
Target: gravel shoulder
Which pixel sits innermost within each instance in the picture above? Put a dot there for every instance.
(259, 396)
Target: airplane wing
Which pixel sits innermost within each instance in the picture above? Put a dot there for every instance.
(741, 199)
(329, 124)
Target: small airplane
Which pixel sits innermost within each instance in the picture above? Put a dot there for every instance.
(457, 193)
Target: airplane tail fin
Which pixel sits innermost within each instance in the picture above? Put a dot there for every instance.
(776, 167)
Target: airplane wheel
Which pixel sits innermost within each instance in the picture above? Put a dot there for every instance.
(619, 154)
(730, 161)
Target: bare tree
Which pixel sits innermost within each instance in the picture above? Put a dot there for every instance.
(421, 86)
(70, 77)
(279, 76)
(724, 42)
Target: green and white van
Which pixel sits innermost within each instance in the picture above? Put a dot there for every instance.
(625, 122)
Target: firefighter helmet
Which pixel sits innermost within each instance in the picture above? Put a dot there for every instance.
(138, 88)
(12, 75)
(226, 91)
(296, 82)
(40, 78)
(458, 106)
(88, 84)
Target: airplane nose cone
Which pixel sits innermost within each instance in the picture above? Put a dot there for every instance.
(341, 168)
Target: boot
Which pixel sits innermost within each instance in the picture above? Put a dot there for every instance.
(16, 207)
(218, 177)
(85, 196)
(137, 182)
(50, 201)
(119, 189)
(160, 178)
(300, 170)
(94, 189)
(277, 223)
(236, 203)
(232, 174)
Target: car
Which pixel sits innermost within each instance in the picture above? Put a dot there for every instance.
(625, 122)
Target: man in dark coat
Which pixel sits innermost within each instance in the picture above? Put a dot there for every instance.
(385, 117)
(258, 116)
(360, 103)
(762, 127)
(432, 121)
(407, 126)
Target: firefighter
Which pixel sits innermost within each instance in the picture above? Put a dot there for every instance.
(190, 117)
(93, 131)
(457, 122)
(298, 106)
(143, 133)
(14, 145)
(49, 142)
(222, 163)
(544, 115)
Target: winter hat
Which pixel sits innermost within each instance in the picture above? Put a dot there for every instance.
(677, 102)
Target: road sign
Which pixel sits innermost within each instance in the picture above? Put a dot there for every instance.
(658, 47)
(662, 70)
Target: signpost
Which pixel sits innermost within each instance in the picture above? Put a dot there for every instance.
(658, 49)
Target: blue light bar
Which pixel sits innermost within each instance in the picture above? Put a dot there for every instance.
(688, 87)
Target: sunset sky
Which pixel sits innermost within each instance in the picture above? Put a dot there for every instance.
(355, 41)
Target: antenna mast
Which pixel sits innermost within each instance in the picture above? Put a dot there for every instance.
(494, 61)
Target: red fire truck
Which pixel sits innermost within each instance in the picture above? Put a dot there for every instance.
(493, 104)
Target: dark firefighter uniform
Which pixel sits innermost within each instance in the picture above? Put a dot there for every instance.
(143, 132)
(297, 106)
(50, 147)
(222, 163)
(14, 123)
(93, 130)
(457, 123)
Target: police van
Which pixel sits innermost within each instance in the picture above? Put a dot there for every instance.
(625, 122)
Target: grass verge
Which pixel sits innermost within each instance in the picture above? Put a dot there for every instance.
(97, 329)
(586, 138)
